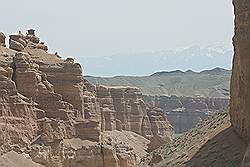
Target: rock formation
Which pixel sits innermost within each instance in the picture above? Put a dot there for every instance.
(240, 99)
(2, 39)
(124, 109)
(185, 113)
(49, 113)
(17, 114)
(240, 81)
(19, 41)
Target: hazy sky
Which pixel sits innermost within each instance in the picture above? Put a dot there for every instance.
(105, 27)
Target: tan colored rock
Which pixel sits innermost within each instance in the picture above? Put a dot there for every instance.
(2, 39)
(117, 149)
(68, 81)
(88, 130)
(17, 115)
(13, 159)
(160, 127)
(240, 90)
(240, 81)
(19, 41)
(44, 101)
(33, 83)
(16, 46)
(107, 108)
(124, 109)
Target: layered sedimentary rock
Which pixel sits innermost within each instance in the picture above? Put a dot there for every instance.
(185, 113)
(107, 108)
(67, 80)
(19, 41)
(124, 109)
(47, 107)
(17, 114)
(170, 103)
(33, 84)
(162, 131)
(129, 107)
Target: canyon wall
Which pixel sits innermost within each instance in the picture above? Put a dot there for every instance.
(123, 108)
(50, 113)
(240, 81)
(185, 113)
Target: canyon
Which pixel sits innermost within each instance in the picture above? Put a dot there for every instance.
(184, 113)
(222, 140)
(53, 116)
(186, 98)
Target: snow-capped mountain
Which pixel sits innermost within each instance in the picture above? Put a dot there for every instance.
(196, 58)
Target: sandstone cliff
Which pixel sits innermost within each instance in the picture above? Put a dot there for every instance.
(55, 117)
(240, 81)
(123, 108)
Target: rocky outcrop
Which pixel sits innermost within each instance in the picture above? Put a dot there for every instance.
(240, 81)
(32, 83)
(129, 107)
(17, 114)
(240, 91)
(185, 113)
(19, 41)
(162, 131)
(124, 109)
(13, 159)
(51, 114)
(67, 80)
(117, 149)
(107, 108)
(2, 39)
(171, 103)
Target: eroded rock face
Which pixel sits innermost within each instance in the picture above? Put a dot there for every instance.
(33, 83)
(171, 103)
(240, 81)
(124, 109)
(45, 104)
(185, 113)
(118, 149)
(20, 41)
(130, 110)
(107, 108)
(67, 80)
(161, 129)
(17, 114)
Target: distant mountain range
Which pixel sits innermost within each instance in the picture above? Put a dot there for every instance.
(144, 63)
(207, 83)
